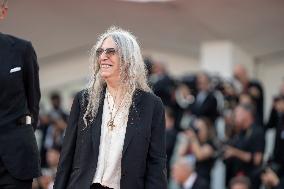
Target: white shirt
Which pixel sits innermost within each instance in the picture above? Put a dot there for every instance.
(190, 181)
(108, 172)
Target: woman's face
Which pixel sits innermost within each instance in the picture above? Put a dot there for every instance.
(109, 61)
(202, 130)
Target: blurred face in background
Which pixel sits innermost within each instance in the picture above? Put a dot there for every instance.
(3, 9)
(243, 118)
(240, 73)
(246, 99)
(229, 89)
(109, 60)
(180, 172)
(52, 157)
(202, 130)
(239, 118)
(239, 186)
(158, 68)
(203, 82)
(56, 101)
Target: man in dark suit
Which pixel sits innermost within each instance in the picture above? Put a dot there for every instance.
(185, 175)
(19, 105)
(253, 88)
(205, 104)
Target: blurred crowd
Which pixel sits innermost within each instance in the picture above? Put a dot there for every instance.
(50, 133)
(208, 118)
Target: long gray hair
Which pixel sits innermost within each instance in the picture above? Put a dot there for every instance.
(132, 71)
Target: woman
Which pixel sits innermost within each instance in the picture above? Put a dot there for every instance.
(116, 132)
(199, 144)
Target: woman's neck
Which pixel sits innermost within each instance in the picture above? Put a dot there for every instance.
(116, 91)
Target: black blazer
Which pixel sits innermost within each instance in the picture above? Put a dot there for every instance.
(143, 163)
(208, 108)
(19, 95)
(200, 183)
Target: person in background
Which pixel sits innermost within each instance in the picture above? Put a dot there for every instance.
(244, 155)
(276, 121)
(199, 144)
(184, 174)
(240, 182)
(55, 132)
(44, 124)
(205, 104)
(246, 98)
(184, 100)
(55, 100)
(252, 87)
(161, 82)
(171, 136)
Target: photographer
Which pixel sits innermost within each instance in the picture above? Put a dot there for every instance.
(277, 122)
(199, 143)
(274, 177)
(245, 154)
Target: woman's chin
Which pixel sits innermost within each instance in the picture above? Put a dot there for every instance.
(105, 75)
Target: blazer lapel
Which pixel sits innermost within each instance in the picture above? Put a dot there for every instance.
(133, 120)
(132, 123)
(96, 127)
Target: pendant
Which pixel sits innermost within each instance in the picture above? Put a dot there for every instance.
(111, 124)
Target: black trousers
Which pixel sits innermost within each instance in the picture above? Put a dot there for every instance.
(98, 186)
(7, 181)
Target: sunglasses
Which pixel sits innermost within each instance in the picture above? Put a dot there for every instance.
(108, 51)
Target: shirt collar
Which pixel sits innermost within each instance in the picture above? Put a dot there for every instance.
(190, 181)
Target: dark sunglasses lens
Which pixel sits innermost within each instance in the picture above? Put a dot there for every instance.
(110, 51)
(99, 52)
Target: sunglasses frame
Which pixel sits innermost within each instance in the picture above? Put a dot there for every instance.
(108, 51)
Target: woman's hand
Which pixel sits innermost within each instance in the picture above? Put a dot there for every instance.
(191, 136)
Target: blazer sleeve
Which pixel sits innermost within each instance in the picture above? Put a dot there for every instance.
(31, 82)
(68, 149)
(156, 173)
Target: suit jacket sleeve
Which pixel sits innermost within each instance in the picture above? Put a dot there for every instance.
(31, 82)
(67, 154)
(156, 174)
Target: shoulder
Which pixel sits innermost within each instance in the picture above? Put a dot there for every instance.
(201, 183)
(150, 97)
(258, 131)
(81, 96)
(16, 41)
(212, 94)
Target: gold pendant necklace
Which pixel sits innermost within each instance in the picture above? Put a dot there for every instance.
(110, 123)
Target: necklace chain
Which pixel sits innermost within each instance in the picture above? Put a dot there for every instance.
(110, 123)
